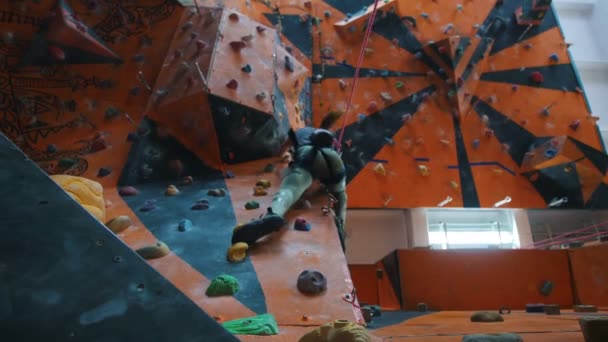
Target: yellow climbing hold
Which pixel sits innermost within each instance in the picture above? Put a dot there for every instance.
(340, 330)
(119, 223)
(380, 170)
(497, 171)
(454, 185)
(263, 183)
(237, 252)
(155, 251)
(88, 193)
(171, 190)
(259, 191)
(424, 170)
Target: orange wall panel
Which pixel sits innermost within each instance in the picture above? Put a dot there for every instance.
(483, 280)
(590, 274)
(365, 282)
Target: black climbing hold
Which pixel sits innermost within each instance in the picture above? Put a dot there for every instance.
(546, 288)
(246, 68)
(184, 225)
(288, 64)
(104, 171)
(535, 308)
(201, 205)
(51, 148)
(312, 282)
(229, 174)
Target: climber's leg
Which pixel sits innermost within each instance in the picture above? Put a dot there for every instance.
(339, 192)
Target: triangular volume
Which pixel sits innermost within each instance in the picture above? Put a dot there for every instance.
(63, 38)
(444, 49)
(599, 159)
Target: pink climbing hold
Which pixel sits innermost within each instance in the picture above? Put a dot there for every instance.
(537, 77)
(127, 191)
(200, 45)
(301, 224)
(237, 46)
(575, 124)
(57, 52)
(373, 107)
(488, 133)
(233, 84)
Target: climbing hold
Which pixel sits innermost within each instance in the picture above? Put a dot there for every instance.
(312, 282)
(193, 35)
(444, 142)
(339, 330)
(229, 174)
(554, 57)
(119, 223)
(342, 84)
(248, 38)
(261, 96)
(386, 96)
(158, 250)
(134, 91)
(546, 288)
(263, 183)
(476, 143)
(528, 46)
(301, 224)
(575, 124)
(111, 113)
(223, 285)
(389, 141)
(399, 84)
(251, 205)
(492, 99)
(492, 338)
(459, 7)
(424, 170)
(288, 64)
(246, 68)
(184, 225)
(148, 205)
(269, 168)
(56, 52)
(67, 163)
(405, 118)
(552, 309)
(171, 190)
(187, 180)
(237, 252)
(187, 25)
(200, 45)
(380, 170)
(104, 171)
(233, 84)
(424, 15)
(259, 191)
(327, 14)
(369, 51)
(454, 185)
(422, 307)
(372, 107)
(262, 325)
(99, 144)
(234, 17)
(201, 205)
(537, 77)
(237, 46)
(177, 54)
(506, 147)
(550, 153)
(128, 191)
(486, 317)
(488, 133)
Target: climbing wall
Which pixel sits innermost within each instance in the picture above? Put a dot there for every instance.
(457, 105)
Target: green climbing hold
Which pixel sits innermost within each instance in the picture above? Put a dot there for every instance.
(263, 325)
(399, 84)
(223, 285)
(269, 168)
(252, 205)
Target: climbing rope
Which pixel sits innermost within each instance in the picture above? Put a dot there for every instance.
(368, 32)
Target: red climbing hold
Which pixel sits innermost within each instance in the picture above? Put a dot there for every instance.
(233, 84)
(57, 52)
(373, 107)
(575, 124)
(442, 49)
(537, 77)
(99, 144)
(237, 45)
(200, 45)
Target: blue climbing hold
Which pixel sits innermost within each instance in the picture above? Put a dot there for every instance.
(550, 153)
(384, 73)
(229, 174)
(149, 205)
(51, 148)
(184, 225)
(424, 15)
(301, 225)
(476, 144)
(554, 57)
(360, 117)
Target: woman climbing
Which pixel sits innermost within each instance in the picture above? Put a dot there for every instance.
(315, 158)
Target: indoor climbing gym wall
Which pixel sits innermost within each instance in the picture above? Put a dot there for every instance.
(167, 122)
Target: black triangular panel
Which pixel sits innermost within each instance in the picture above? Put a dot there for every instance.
(370, 134)
(201, 245)
(599, 199)
(78, 281)
(599, 159)
(510, 31)
(391, 266)
(38, 55)
(392, 28)
(349, 6)
(506, 130)
(297, 32)
(467, 182)
(557, 77)
(559, 181)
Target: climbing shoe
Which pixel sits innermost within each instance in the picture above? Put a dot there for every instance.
(252, 231)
